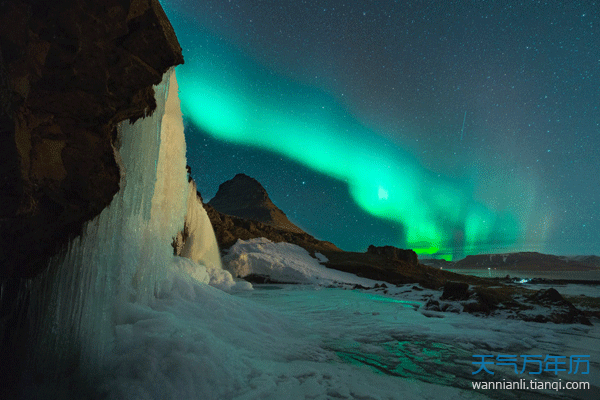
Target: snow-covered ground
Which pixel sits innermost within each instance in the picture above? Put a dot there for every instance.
(198, 342)
(310, 341)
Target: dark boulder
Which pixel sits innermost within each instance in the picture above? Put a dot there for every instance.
(561, 311)
(394, 253)
(550, 296)
(455, 291)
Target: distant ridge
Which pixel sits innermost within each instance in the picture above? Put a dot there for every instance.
(593, 261)
(245, 197)
(527, 261)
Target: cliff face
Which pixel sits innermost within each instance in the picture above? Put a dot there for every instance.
(69, 72)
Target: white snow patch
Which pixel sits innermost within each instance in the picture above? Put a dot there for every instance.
(284, 262)
(321, 258)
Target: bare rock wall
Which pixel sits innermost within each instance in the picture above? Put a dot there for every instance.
(69, 72)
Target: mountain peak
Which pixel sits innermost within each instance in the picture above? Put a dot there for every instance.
(244, 197)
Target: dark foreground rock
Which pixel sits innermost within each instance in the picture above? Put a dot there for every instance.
(462, 293)
(562, 310)
(455, 291)
(542, 306)
(69, 72)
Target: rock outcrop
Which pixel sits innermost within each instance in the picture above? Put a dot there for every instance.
(245, 197)
(562, 310)
(455, 291)
(394, 253)
(69, 72)
(229, 229)
(382, 266)
(508, 302)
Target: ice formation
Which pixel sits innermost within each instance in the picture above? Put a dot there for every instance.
(201, 247)
(199, 229)
(124, 255)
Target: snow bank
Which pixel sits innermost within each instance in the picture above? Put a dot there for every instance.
(284, 262)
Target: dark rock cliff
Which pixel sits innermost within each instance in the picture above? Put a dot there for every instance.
(69, 72)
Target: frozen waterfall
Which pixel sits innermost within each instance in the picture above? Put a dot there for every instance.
(200, 252)
(201, 244)
(125, 254)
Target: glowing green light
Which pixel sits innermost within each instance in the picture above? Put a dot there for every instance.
(233, 98)
(382, 193)
(429, 250)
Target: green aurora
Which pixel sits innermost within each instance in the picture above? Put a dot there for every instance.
(233, 98)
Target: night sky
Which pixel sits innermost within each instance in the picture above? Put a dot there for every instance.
(450, 127)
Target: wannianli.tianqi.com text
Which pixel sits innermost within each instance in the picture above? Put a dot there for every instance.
(533, 384)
